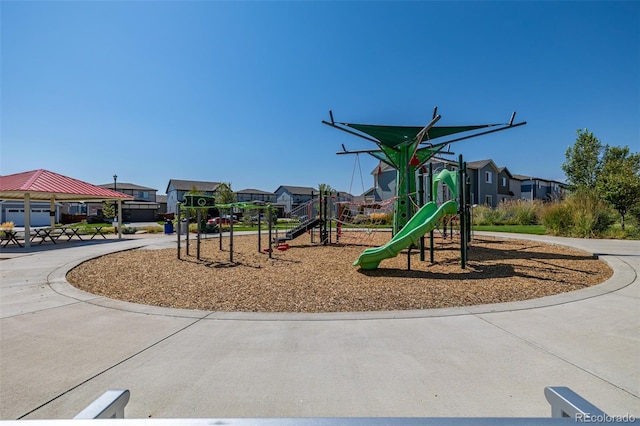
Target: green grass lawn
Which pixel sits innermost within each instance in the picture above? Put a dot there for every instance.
(517, 229)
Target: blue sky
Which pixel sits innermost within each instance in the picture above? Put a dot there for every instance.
(236, 91)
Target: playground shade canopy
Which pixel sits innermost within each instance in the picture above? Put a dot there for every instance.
(392, 136)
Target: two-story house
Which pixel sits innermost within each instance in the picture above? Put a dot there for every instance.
(143, 207)
(250, 194)
(490, 184)
(177, 188)
(290, 197)
(534, 188)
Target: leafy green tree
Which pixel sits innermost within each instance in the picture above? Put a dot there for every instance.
(619, 179)
(224, 194)
(323, 187)
(583, 161)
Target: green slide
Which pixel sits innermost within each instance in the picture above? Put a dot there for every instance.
(425, 220)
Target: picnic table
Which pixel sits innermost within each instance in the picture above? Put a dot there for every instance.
(9, 236)
(53, 234)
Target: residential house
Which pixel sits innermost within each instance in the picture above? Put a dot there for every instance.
(162, 203)
(290, 197)
(143, 207)
(483, 175)
(534, 188)
(13, 211)
(249, 195)
(176, 189)
(490, 184)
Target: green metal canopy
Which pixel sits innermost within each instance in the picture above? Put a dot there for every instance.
(399, 146)
(392, 136)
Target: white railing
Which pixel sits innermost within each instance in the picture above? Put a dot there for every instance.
(110, 405)
(567, 407)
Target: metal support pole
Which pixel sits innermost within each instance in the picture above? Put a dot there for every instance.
(179, 224)
(259, 231)
(431, 198)
(270, 228)
(188, 217)
(198, 236)
(231, 235)
(462, 203)
(421, 203)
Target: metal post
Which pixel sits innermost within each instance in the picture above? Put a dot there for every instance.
(259, 231)
(461, 208)
(421, 203)
(431, 198)
(231, 235)
(270, 227)
(188, 217)
(198, 218)
(179, 224)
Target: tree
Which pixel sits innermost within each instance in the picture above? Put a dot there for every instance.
(619, 179)
(324, 188)
(583, 161)
(108, 210)
(224, 194)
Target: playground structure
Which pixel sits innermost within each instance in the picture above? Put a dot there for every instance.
(400, 148)
(205, 202)
(413, 216)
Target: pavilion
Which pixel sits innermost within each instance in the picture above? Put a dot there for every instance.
(44, 185)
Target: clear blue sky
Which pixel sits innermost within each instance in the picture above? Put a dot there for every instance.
(235, 91)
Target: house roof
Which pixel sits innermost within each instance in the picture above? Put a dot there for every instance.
(188, 185)
(480, 164)
(298, 190)
(505, 170)
(253, 191)
(125, 185)
(523, 178)
(44, 185)
(161, 199)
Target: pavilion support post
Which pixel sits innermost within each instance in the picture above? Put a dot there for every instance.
(119, 219)
(52, 213)
(27, 220)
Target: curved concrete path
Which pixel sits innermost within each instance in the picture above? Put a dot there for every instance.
(61, 348)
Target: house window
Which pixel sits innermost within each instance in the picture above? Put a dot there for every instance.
(144, 194)
(488, 176)
(504, 181)
(488, 200)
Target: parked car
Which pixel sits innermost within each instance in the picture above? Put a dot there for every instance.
(223, 220)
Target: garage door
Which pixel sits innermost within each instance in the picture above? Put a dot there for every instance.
(39, 217)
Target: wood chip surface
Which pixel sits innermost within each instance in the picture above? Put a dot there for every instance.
(314, 278)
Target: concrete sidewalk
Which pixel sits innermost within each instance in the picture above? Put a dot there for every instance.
(61, 348)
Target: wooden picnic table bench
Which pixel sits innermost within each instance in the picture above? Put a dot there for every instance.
(9, 236)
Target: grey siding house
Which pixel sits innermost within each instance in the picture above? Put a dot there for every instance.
(177, 188)
(534, 188)
(484, 187)
(248, 195)
(143, 207)
(290, 197)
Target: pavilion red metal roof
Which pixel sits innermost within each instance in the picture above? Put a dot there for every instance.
(44, 185)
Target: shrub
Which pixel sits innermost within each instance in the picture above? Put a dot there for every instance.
(591, 214)
(584, 214)
(153, 229)
(520, 212)
(556, 218)
(483, 215)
